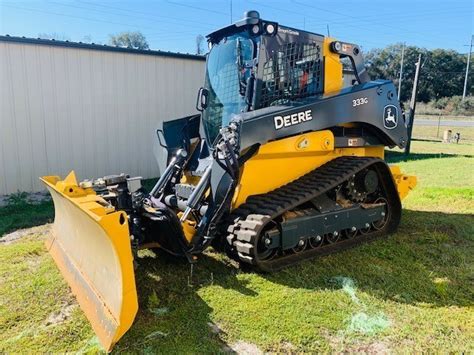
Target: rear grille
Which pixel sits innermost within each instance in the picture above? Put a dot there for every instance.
(293, 71)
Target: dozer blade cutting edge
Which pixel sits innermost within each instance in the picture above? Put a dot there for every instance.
(90, 244)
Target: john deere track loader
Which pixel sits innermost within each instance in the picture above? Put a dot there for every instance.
(282, 164)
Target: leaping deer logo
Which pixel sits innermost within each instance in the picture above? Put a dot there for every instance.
(390, 117)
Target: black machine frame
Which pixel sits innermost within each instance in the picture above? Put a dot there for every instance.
(367, 103)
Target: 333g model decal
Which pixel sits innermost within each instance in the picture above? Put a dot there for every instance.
(360, 101)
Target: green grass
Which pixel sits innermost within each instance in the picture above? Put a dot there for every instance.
(410, 292)
(424, 116)
(30, 290)
(13, 216)
(431, 132)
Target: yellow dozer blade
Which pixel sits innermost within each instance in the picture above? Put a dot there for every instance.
(90, 244)
(405, 183)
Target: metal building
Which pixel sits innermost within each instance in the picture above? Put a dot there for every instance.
(91, 108)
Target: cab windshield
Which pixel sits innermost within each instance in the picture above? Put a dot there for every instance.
(229, 65)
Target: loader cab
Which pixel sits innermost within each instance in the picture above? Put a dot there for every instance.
(254, 64)
(229, 70)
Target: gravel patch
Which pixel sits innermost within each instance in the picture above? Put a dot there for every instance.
(244, 348)
(20, 233)
(61, 316)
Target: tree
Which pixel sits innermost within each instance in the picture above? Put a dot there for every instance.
(134, 40)
(200, 49)
(441, 75)
(445, 71)
(385, 64)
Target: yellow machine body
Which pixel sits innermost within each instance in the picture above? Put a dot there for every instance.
(280, 162)
(404, 183)
(332, 69)
(90, 244)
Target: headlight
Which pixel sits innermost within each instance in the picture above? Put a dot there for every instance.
(270, 29)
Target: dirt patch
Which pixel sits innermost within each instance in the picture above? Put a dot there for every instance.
(340, 344)
(244, 348)
(214, 328)
(20, 233)
(284, 347)
(372, 348)
(61, 316)
(336, 341)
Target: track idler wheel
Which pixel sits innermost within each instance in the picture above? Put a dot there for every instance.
(301, 246)
(264, 251)
(333, 237)
(315, 241)
(350, 233)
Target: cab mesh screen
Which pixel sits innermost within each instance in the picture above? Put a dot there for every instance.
(293, 71)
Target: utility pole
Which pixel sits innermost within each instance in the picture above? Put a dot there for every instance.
(467, 70)
(401, 72)
(411, 112)
(439, 124)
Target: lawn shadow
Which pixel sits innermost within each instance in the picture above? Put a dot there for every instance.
(171, 313)
(426, 261)
(20, 214)
(396, 157)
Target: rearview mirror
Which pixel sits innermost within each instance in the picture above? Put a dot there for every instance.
(160, 134)
(202, 99)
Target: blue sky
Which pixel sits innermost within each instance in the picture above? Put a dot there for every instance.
(173, 24)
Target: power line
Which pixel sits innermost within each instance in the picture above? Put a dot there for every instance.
(71, 16)
(180, 21)
(160, 35)
(408, 17)
(370, 17)
(346, 23)
(295, 12)
(149, 36)
(146, 15)
(166, 39)
(356, 18)
(196, 8)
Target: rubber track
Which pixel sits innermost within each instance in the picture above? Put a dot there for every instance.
(251, 217)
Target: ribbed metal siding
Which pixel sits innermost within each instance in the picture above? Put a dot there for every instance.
(92, 111)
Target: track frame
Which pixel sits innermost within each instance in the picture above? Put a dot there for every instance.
(251, 218)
